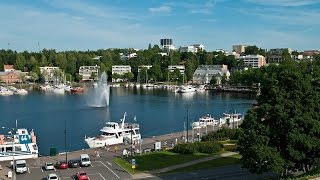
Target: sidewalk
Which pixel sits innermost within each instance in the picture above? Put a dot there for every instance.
(166, 169)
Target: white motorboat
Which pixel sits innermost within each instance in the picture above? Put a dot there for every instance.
(186, 89)
(5, 92)
(21, 145)
(204, 121)
(21, 92)
(115, 133)
(230, 118)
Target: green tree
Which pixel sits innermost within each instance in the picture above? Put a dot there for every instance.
(282, 133)
(93, 76)
(22, 77)
(20, 62)
(155, 72)
(128, 76)
(213, 80)
(34, 76)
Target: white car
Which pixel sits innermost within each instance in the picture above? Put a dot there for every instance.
(49, 166)
(53, 177)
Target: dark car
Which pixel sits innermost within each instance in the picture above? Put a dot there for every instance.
(73, 163)
(62, 165)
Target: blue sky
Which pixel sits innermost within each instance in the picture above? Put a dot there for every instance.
(101, 24)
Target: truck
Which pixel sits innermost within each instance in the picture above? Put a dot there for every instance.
(21, 166)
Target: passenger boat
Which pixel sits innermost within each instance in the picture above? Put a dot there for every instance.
(21, 145)
(115, 133)
(230, 117)
(206, 120)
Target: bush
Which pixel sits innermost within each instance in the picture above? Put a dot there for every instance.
(230, 147)
(221, 135)
(201, 147)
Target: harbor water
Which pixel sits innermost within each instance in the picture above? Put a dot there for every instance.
(158, 111)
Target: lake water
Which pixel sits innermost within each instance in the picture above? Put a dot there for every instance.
(158, 111)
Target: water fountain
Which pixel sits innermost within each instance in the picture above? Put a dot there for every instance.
(99, 97)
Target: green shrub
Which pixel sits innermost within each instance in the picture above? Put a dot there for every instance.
(230, 147)
(221, 135)
(201, 147)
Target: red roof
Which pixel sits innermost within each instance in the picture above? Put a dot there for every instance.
(8, 66)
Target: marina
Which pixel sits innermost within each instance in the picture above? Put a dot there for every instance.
(158, 111)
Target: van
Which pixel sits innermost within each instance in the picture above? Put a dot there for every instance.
(21, 166)
(85, 160)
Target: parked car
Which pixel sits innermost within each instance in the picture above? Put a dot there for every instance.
(49, 166)
(73, 164)
(62, 165)
(53, 177)
(81, 175)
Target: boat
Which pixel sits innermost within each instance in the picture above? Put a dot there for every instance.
(204, 121)
(115, 133)
(230, 118)
(21, 145)
(186, 89)
(5, 92)
(77, 90)
(21, 92)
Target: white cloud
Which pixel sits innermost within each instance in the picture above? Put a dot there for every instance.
(284, 2)
(161, 9)
(200, 8)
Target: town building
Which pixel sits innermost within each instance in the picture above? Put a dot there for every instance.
(10, 77)
(125, 57)
(48, 72)
(254, 61)
(167, 44)
(308, 54)
(192, 48)
(181, 68)
(275, 55)
(8, 68)
(86, 72)
(204, 73)
(120, 70)
(239, 48)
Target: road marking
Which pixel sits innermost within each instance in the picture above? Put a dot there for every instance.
(91, 164)
(109, 169)
(109, 163)
(102, 176)
(41, 169)
(29, 170)
(54, 169)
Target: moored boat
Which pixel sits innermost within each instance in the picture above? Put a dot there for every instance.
(77, 90)
(206, 120)
(115, 133)
(21, 145)
(230, 118)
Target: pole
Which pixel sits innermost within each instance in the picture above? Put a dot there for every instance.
(131, 141)
(187, 122)
(13, 165)
(65, 139)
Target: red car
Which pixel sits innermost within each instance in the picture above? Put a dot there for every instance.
(81, 175)
(62, 165)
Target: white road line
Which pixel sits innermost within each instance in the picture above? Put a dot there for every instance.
(109, 163)
(109, 169)
(54, 169)
(29, 170)
(92, 165)
(102, 176)
(41, 169)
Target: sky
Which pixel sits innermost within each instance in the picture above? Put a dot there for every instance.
(101, 24)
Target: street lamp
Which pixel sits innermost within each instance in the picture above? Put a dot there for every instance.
(65, 139)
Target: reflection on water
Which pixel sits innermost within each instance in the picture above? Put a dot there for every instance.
(158, 111)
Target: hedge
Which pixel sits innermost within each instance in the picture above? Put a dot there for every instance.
(221, 135)
(201, 147)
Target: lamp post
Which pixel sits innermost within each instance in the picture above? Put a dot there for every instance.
(65, 139)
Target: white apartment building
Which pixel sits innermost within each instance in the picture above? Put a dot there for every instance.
(254, 61)
(86, 71)
(188, 49)
(204, 73)
(120, 70)
(125, 57)
(181, 68)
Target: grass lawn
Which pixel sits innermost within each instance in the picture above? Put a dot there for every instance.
(234, 159)
(158, 160)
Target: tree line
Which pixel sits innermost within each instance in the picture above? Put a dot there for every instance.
(69, 62)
